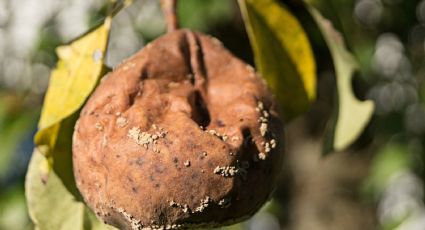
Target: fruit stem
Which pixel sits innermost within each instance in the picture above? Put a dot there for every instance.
(169, 8)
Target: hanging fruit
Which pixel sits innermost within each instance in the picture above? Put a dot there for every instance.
(182, 134)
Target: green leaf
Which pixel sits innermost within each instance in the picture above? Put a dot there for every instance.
(54, 202)
(283, 54)
(51, 205)
(353, 115)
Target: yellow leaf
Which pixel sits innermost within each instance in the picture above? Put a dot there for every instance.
(52, 196)
(77, 72)
(282, 52)
(353, 115)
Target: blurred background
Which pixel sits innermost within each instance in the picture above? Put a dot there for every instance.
(377, 184)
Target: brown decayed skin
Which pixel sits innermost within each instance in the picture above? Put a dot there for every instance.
(141, 159)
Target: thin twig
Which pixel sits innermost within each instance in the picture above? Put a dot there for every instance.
(169, 9)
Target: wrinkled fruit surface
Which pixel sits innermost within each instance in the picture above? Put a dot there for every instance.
(180, 135)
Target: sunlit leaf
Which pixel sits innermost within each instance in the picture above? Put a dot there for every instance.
(53, 200)
(353, 115)
(282, 52)
(75, 76)
(78, 70)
